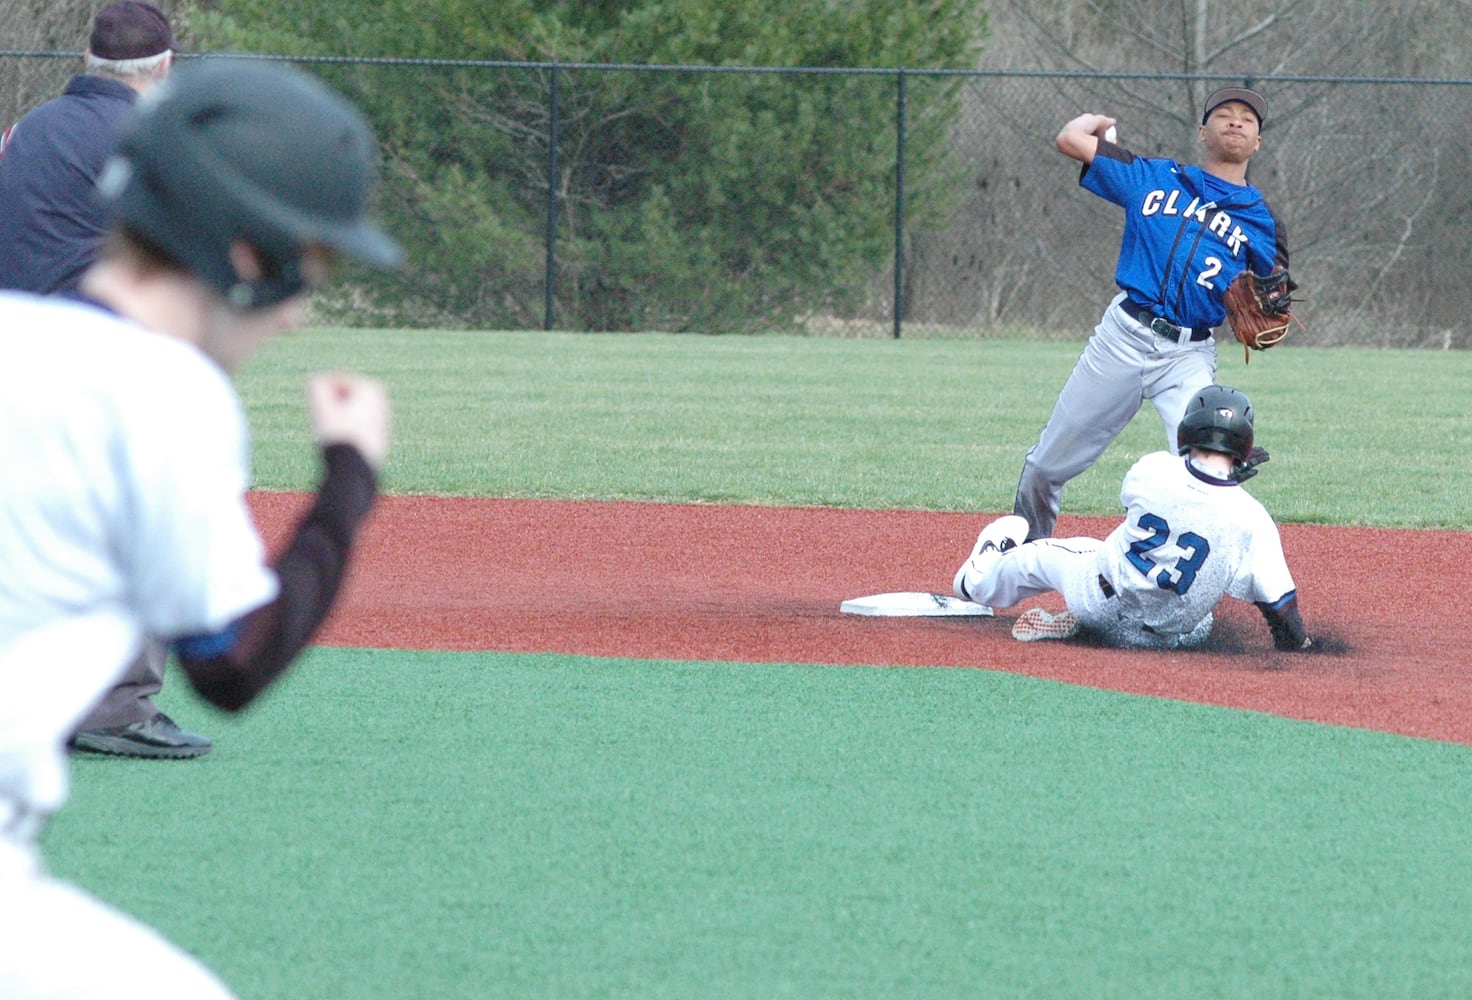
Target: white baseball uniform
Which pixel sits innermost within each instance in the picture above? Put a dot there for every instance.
(1188, 538)
(122, 513)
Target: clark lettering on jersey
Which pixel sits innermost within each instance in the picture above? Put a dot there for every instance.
(1186, 235)
(1166, 203)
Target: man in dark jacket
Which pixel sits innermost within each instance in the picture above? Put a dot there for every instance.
(51, 221)
(52, 226)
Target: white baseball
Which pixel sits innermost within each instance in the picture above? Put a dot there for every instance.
(1111, 134)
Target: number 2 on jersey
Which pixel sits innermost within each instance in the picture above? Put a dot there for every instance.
(1178, 577)
(1211, 270)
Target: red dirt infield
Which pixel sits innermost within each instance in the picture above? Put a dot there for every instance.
(761, 584)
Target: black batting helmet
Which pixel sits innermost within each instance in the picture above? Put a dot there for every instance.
(234, 149)
(1218, 418)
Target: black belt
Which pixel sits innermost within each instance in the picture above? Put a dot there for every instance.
(1106, 587)
(1163, 327)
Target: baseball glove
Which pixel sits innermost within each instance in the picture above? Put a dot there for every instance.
(1260, 308)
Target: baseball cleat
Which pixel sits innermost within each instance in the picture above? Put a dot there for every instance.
(1035, 623)
(1002, 535)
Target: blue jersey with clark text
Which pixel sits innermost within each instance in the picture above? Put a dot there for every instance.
(1187, 233)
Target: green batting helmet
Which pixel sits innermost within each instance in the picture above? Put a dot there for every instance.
(1218, 418)
(233, 149)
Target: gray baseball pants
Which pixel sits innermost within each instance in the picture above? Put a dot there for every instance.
(131, 699)
(1123, 364)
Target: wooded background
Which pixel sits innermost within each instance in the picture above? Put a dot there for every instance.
(705, 201)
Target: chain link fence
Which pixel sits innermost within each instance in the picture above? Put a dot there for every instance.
(863, 203)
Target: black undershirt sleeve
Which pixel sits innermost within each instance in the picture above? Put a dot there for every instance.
(310, 571)
(1286, 624)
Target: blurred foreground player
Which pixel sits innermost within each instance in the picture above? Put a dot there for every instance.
(234, 187)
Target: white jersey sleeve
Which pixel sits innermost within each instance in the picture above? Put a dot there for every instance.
(195, 557)
(1263, 575)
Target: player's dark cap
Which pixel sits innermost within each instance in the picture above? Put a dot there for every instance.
(1218, 418)
(1251, 98)
(233, 150)
(130, 30)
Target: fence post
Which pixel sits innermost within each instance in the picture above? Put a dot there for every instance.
(899, 203)
(550, 279)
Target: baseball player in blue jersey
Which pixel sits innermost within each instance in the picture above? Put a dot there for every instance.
(1191, 535)
(234, 188)
(1188, 231)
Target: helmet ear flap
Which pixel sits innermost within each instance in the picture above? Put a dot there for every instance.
(273, 279)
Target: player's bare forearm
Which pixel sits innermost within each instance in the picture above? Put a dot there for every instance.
(260, 646)
(1079, 139)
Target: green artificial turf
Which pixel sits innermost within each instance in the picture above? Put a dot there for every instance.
(418, 825)
(393, 824)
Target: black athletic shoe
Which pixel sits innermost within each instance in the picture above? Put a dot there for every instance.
(159, 737)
